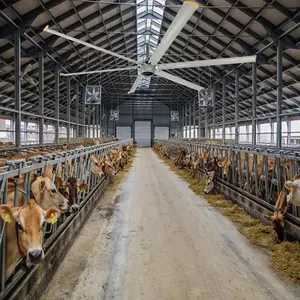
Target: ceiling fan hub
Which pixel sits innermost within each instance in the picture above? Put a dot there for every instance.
(147, 70)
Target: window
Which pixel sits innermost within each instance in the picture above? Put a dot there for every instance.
(49, 133)
(7, 130)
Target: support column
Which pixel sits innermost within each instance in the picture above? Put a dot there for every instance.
(184, 121)
(97, 120)
(223, 109)
(190, 117)
(289, 130)
(94, 121)
(279, 95)
(194, 118)
(254, 100)
(77, 110)
(206, 122)
(237, 106)
(56, 96)
(41, 97)
(214, 112)
(17, 65)
(89, 121)
(272, 131)
(83, 114)
(68, 108)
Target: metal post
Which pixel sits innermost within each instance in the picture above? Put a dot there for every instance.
(41, 97)
(223, 109)
(89, 121)
(237, 106)
(94, 121)
(190, 118)
(272, 131)
(68, 108)
(206, 123)
(18, 115)
(289, 130)
(100, 121)
(56, 96)
(214, 111)
(77, 109)
(83, 114)
(194, 118)
(97, 119)
(279, 95)
(254, 92)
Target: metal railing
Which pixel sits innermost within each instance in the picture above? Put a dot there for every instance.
(21, 169)
(251, 172)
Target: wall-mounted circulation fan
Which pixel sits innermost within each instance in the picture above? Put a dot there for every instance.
(114, 115)
(174, 116)
(152, 66)
(93, 94)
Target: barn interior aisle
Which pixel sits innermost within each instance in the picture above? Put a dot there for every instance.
(163, 242)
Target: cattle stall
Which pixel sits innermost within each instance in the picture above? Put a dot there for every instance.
(252, 182)
(57, 237)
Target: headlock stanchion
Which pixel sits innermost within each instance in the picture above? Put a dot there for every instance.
(256, 173)
(16, 177)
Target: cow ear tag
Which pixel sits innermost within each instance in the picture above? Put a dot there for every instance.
(53, 219)
(8, 218)
(292, 189)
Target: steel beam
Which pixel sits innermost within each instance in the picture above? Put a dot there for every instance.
(279, 95)
(77, 109)
(83, 113)
(68, 109)
(237, 106)
(56, 111)
(289, 130)
(41, 97)
(199, 121)
(190, 117)
(194, 118)
(89, 120)
(254, 99)
(18, 114)
(223, 108)
(214, 111)
(94, 121)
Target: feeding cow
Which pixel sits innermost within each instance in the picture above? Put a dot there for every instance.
(24, 232)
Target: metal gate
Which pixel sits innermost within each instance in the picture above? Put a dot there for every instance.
(161, 133)
(142, 130)
(123, 132)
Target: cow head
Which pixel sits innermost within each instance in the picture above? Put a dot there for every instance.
(30, 219)
(225, 165)
(46, 193)
(209, 183)
(277, 218)
(294, 189)
(70, 190)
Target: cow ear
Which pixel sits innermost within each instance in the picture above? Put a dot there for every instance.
(219, 164)
(59, 182)
(9, 214)
(48, 172)
(269, 217)
(82, 187)
(51, 215)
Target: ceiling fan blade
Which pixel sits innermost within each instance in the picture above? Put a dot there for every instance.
(182, 17)
(178, 80)
(136, 84)
(47, 29)
(208, 62)
(99, 71)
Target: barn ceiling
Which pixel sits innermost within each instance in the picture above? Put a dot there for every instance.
(218, 28)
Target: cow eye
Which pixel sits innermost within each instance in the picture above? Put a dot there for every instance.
(53, 191)
(20, 227)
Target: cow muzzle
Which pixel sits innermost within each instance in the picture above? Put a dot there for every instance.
(35, 256)
(74, 209)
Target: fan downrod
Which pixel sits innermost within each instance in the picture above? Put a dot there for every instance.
(147, 69)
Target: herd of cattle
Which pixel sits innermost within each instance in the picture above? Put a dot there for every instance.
(50, 197)
(248, 171)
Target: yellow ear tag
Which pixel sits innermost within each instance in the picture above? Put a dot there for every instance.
(292, 189)
(8, 218)
(53, 219)
(103, 164)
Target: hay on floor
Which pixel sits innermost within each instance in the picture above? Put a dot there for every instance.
(285, 256)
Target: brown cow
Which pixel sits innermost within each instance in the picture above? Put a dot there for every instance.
(24, 232)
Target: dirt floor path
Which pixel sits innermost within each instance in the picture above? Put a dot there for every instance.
(163, 242)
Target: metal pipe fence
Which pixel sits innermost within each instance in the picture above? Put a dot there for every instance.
(258, 173)
(21, 171)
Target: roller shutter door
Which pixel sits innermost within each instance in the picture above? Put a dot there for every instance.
(123, 132)
(142, 130)
(161, 133)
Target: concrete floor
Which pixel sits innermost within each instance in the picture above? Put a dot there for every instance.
(163, 242)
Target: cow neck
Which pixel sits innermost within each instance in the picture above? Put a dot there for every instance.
(21, 253)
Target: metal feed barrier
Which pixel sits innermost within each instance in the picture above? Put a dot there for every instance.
(266, 187)
(81, 165)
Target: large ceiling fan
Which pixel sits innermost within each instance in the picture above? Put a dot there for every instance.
(152, 66)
